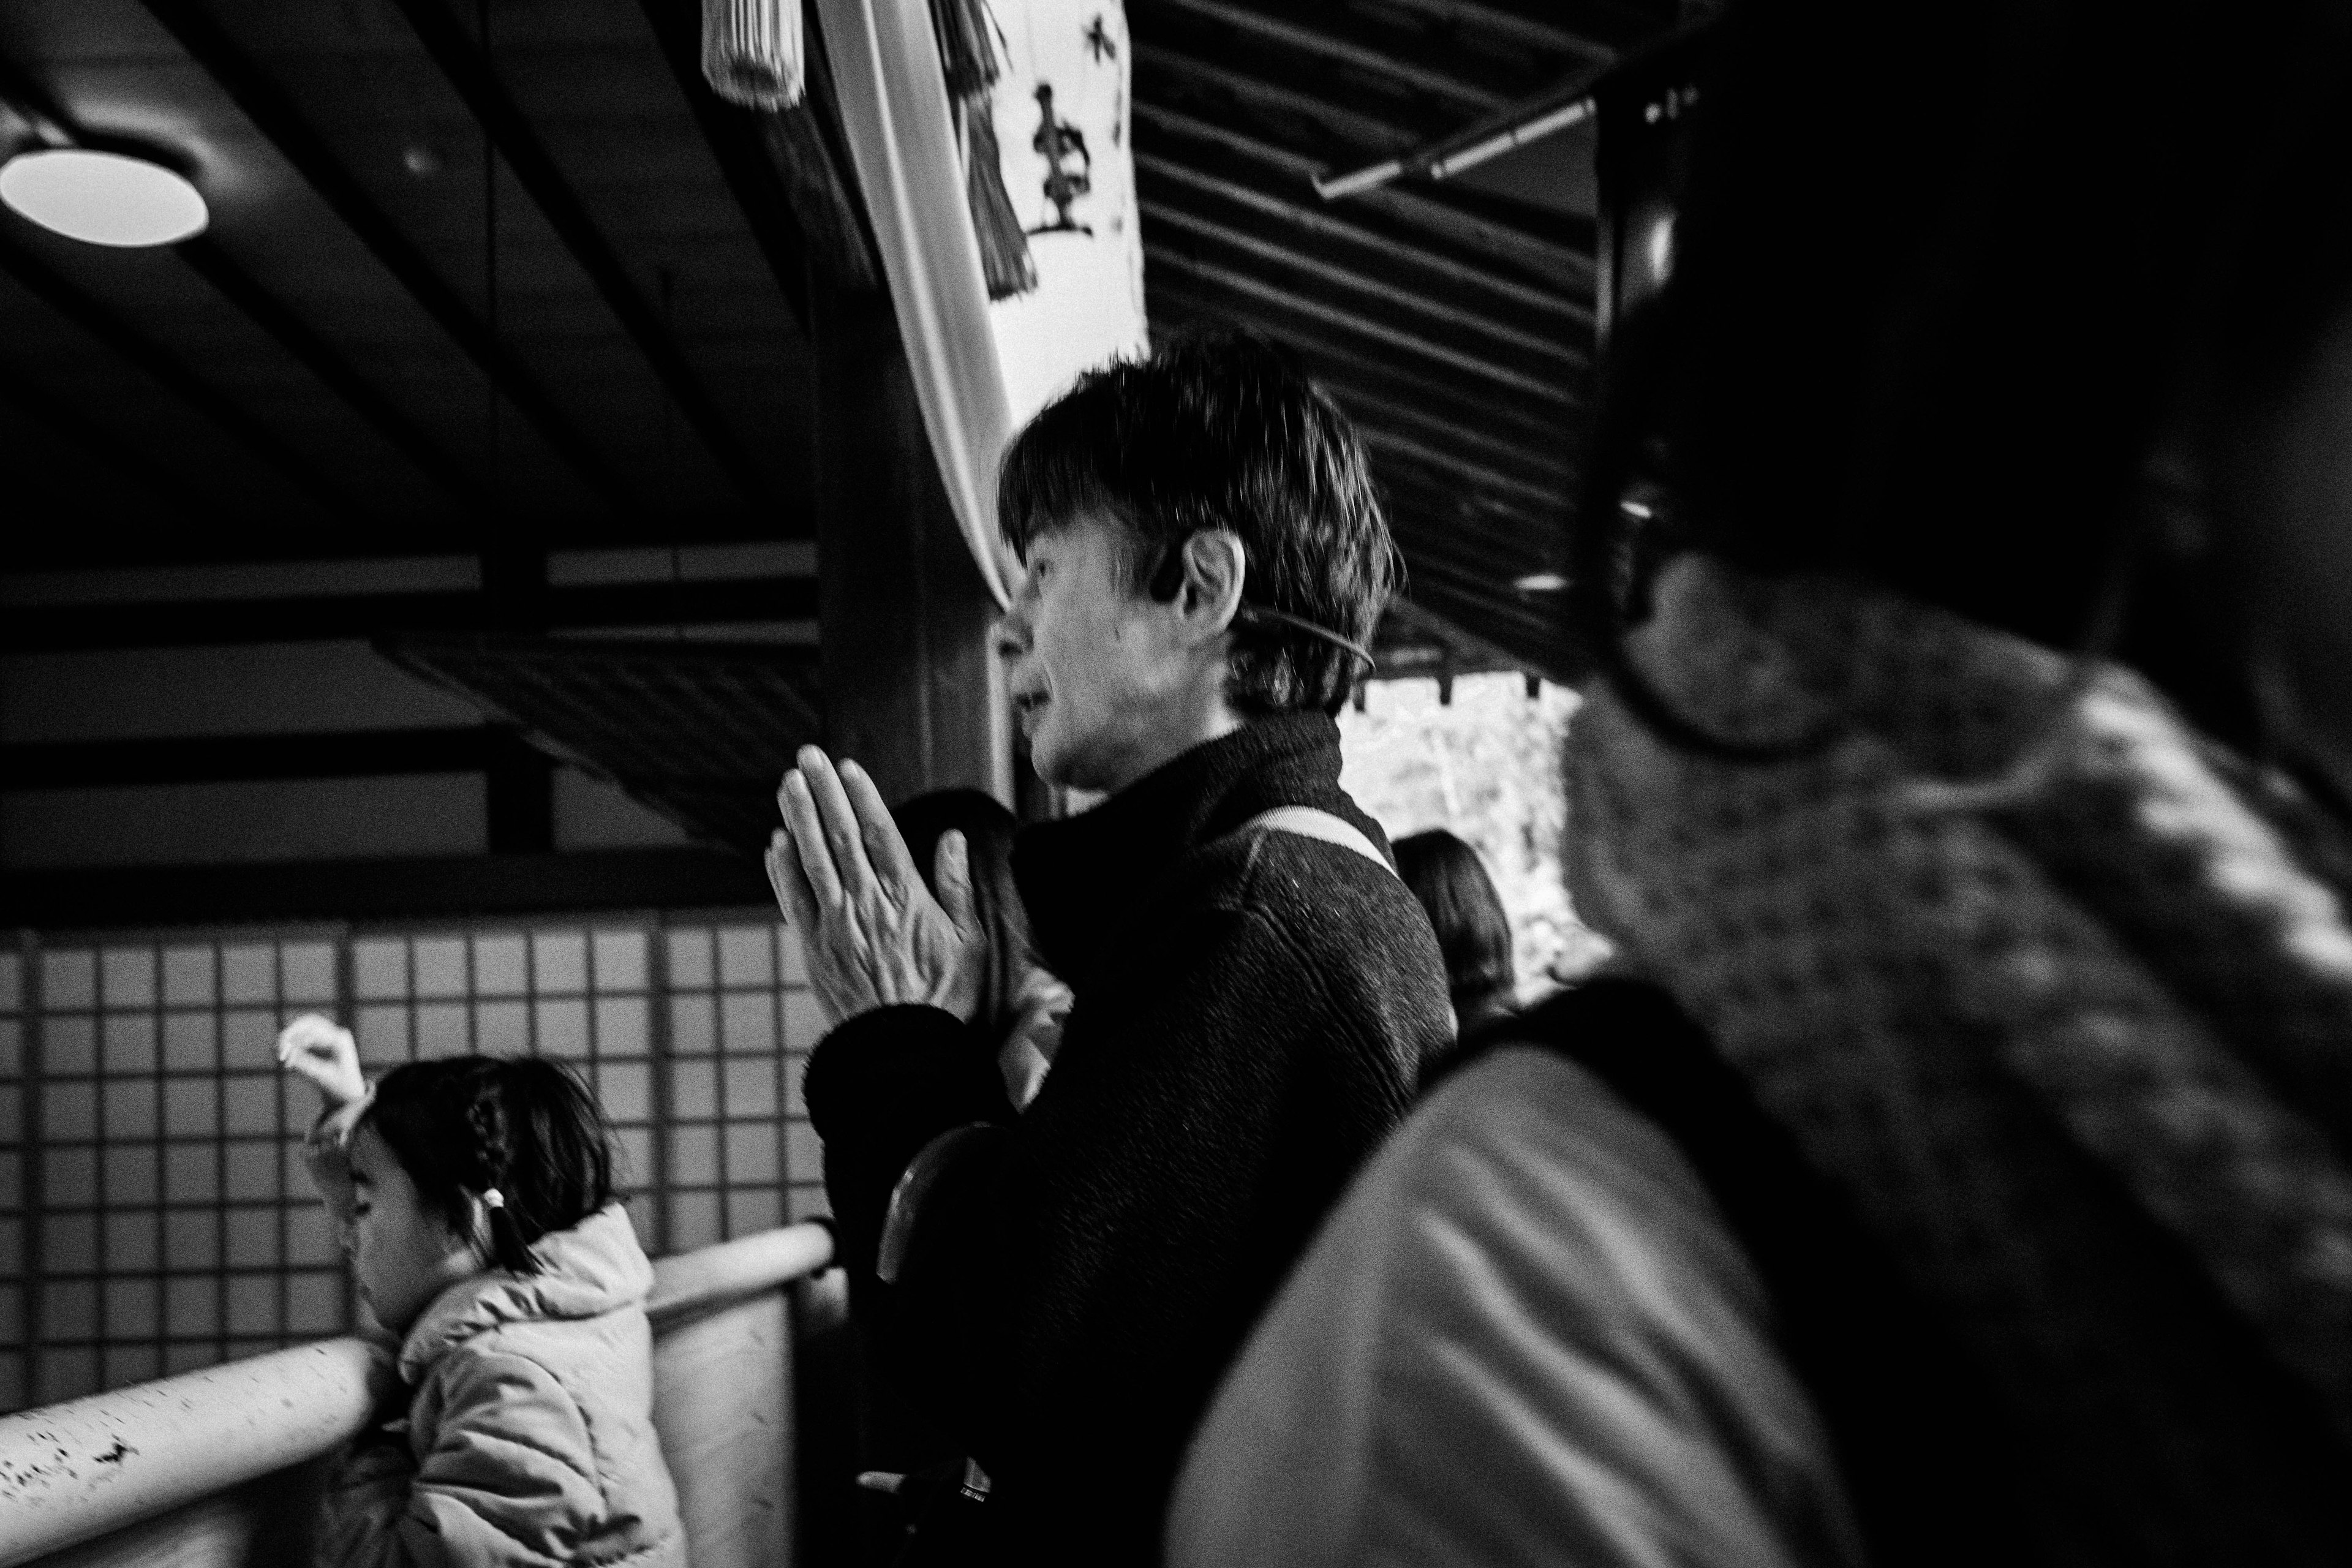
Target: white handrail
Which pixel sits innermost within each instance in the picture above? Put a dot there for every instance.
(75, 1471)
(691, 1281)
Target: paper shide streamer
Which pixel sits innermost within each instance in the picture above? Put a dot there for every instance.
(970, 60)
(752, 52)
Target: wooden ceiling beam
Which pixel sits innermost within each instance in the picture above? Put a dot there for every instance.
(1542, 259)
(46, 628)
(272, 112)
(205, 256)
(168, 371)
(1414, 623)
(1493, 541)
(1505, 26)
(230, 537)
(1342, 360)
(1264, 296)
(1543, 467)
(104, 446)
(1520, 346)
(1357, 47)
(1302, 211)
(1468, 471)
(408, 888)
(466, 64)
(214, 759)
(1362, 133)
(1433, 550)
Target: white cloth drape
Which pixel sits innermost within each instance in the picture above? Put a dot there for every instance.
(893, 109)
(1087, 306)
(980, 370)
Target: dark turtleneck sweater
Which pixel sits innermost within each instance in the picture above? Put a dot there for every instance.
(1252, 1010)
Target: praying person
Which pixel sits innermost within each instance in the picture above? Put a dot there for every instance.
(1254, 988)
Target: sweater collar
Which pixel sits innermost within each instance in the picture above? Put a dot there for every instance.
(1081, 877)
(585, 1272)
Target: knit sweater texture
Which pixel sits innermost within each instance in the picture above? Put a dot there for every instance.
(1252, 1008)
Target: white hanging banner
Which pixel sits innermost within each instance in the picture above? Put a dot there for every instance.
(893, 110)
(1062, 121)
(1060, 111)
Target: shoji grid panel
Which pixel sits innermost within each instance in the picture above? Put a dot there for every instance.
(15, 1373)
(154, 1213)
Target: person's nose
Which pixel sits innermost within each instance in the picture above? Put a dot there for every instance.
(1014, 630)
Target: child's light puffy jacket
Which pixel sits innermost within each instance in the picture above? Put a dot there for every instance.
(529, 1439)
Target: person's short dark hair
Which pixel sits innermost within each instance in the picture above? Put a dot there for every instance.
(988, 829)
(1221, 431)
(462, 1125)
(1473, 932)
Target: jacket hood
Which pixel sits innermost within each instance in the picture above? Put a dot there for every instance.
(595, 1268)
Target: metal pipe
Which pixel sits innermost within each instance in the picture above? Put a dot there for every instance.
(1535, 129)
(1543, 257)
(1468, 148)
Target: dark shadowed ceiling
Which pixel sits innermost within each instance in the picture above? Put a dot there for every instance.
(377, 353)
(393, 398)
(1454, 320)
(313, 375)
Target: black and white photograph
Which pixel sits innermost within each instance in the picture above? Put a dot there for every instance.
(1175, 784)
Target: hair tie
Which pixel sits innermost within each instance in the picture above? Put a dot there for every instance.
(493, 1199)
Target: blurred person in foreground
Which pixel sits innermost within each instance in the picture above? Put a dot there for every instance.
(1966, 785)
(1255, 989)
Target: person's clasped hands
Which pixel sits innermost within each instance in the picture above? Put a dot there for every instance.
(873, 934)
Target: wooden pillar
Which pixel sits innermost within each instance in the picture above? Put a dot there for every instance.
(913, 688)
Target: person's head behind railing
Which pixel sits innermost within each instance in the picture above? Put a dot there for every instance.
(517, 1143)
(1474, 932)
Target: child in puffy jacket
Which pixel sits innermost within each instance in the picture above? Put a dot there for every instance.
(474, 1195)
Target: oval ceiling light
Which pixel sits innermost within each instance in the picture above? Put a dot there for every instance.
(102, 198)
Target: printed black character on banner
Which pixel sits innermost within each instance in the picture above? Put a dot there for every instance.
(1100, 43)
(1058, 142)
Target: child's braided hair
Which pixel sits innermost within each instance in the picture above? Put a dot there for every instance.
(524, 1128)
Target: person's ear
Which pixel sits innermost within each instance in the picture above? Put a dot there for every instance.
(1215, 568)
(475, 1231)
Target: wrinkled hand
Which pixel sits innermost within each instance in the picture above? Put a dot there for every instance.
(873, 934)
(317, 1048)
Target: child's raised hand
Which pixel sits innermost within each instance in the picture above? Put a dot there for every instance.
(322, 1050)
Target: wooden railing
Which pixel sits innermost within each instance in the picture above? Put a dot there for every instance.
(219, 1468)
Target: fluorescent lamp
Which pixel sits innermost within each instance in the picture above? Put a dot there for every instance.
(102, 198)
(1541, 582)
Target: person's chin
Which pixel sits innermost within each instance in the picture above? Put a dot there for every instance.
(1049, 763)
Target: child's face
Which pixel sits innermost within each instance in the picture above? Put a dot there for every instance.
(404, 1253)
